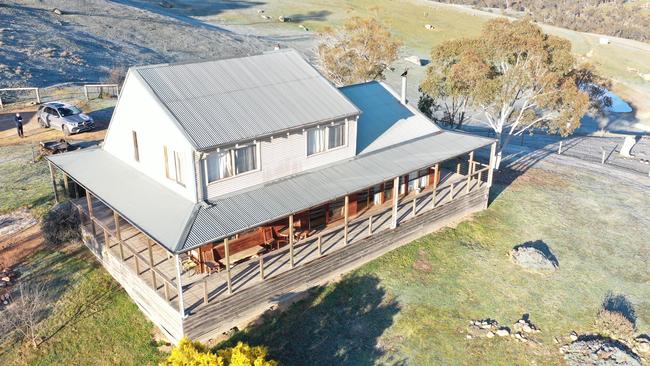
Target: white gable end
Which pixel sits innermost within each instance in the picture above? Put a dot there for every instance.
(139, 116)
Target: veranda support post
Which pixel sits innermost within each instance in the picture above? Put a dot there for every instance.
(345, 219)
(226, 248)
(291, 240)
(91, 215)
(179, 286)
(493, 154)
(470, 170)
(393, 222)
(118, 233)
(53, 176)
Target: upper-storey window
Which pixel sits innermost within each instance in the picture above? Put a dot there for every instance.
(228, 163)
(173, 165)
(325, 138)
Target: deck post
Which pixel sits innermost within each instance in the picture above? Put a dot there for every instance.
(346, 219)
(457, 165)
(291, 240)
(451, 191)
(435, 185)
(415, 203)
(91, 216)
(470, 171)
(393, 221)
(66, 185)
(261, 266)
(53, 176)
(205, 291)
(118, 233)
(493, 150)
(106, 239)
(370, 224)
(151, 265)
(179, 286)
(228, 277)
(319, 243)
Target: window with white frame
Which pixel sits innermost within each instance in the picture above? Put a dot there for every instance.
(323, 138)
(173, 165)
(232, 162)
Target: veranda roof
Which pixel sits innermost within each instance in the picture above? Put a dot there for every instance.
(180, 225)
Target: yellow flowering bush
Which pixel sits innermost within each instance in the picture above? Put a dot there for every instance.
(188, 353)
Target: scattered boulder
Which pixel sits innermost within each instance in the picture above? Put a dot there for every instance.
(231, 332)
(596, 351)
(166, 4)
(429, 27)
(525, 326)
(266, 17)
(534, 256)
(284, 19)
(642, 343)
(57, 11)
(503, 332)
(573, 336)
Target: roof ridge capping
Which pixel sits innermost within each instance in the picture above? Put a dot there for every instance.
(216, 59)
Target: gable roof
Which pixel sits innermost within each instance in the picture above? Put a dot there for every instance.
(227, 101)
(385, 121)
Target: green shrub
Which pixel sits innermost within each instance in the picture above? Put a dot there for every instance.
(188, 353)
(61, 224)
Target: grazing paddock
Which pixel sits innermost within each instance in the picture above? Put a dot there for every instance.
(414, 304)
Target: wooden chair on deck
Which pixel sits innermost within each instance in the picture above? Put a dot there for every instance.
(210, 263)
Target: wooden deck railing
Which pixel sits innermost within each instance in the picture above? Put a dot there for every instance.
(452, 188)
(137, 256)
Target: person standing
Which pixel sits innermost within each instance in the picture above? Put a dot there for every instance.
(19, 125)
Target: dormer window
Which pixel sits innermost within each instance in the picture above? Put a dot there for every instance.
(324, 138)
(232, 162)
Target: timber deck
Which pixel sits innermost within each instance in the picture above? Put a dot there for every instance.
(208, 306)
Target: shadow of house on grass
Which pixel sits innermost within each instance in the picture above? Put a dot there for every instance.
(334, 325)
(543, 248)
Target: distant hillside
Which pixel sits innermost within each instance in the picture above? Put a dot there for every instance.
(619, 18)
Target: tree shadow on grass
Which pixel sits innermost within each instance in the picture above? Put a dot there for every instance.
(620, 304)
(334, 325)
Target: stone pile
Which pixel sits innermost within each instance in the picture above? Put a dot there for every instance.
(598, 351)
(487, 328)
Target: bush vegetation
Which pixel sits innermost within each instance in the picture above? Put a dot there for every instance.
(188, 353)
(618, 18)
(61, 225)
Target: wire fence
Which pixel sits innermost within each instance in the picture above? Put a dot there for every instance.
(605, 150)
(19, 97)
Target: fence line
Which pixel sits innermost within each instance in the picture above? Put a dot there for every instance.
(37, 91)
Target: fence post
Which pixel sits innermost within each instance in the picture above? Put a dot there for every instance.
(370, 225)
(86, 92)
(38, 96)
(1, 105)
(602, 159)
(559, 150)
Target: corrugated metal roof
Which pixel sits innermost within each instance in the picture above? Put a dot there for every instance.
(271, 201)
(385, 121)
(226, 101)
(159, 212)
(180, 225)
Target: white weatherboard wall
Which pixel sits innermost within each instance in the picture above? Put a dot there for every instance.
(138, 110)
(285, 155)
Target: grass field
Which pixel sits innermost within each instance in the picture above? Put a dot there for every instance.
(90, 319)
(24, 183)
(623, 61)
(412, 305)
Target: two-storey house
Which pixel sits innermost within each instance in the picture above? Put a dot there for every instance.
(223, 185)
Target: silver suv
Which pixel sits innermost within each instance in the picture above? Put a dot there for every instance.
(64, 117)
